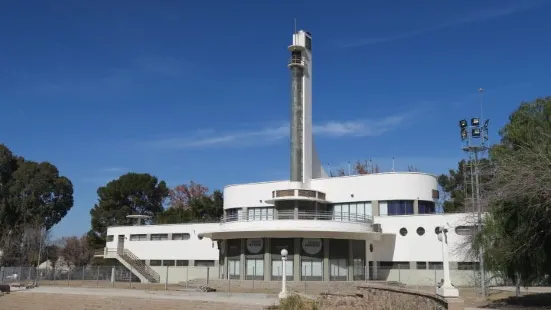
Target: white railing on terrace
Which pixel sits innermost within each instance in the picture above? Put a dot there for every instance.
(300, 215)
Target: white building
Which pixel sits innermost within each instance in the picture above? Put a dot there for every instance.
(373, 226)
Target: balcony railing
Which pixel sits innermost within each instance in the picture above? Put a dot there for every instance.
(300, 215)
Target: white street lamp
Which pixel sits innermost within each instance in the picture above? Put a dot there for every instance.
(446, 289)
(283, 293)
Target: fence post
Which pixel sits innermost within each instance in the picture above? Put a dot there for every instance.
(97, 277)
(130, 278)
(69, 277)
(166, 279)
(19, 278)
(399, 273)
(187, 276)
(208, 274)
(113, 276)
(254, 274)
(305, 279)
(83, 273)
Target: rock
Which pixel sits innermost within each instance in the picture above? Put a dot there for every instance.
(205, 288)
(4, 288)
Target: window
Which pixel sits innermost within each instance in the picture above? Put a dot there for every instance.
(403, 231)
(394, 265)
(426, 207)
(204, 263)
(110, 238)
(260, 214)
(140, 237)
(437, 230)
(182, 263)
(468, 265)
(352, 211)
(436, 265)
(465, 230)
(168, 263)
(155, 262)
(158, 237)
(400, 207)
(421, 265)
(420, 231)
(182, 236)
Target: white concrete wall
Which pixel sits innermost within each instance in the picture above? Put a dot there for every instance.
(413, 247)
(368, 187)
(177, 274)
(192, 249)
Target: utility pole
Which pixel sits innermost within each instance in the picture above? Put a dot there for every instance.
(474, 137)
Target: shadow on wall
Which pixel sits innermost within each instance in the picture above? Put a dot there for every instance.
(384, 252)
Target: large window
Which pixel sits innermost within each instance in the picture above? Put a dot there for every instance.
(182, 236)
(110, 238)
(352, 211)
(426, 207)
(259, 214)
(234, 214)
(396, 207)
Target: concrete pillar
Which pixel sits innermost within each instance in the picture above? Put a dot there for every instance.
(368, 258)
(326, 264)
(412, 265)
(350, 261)
(242, 263)
(267, 259)
(225, 271)
(244, 215)
(296, 210)
(296, 260)
(375, 207)
(416, 206)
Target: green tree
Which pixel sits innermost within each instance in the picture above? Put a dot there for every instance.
(515, 237)
(455, 186)
(199, 207)
(33, 197)
(132, 193)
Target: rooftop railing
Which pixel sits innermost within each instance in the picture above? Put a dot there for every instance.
(300, 215)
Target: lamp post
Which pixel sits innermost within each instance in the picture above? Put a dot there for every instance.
(283, 293)
(446, 289)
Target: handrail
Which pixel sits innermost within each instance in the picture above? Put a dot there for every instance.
(272, 215)
(139, 264)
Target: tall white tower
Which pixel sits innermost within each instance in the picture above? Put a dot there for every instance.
(305, 164)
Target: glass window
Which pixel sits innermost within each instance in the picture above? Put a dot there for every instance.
(383, 208)
(255, 268)
(182, 263)
(426, 207)
(436, 265)
(182, 236)
(337, 210)
(140, 237)
(400, 207)
(155, 262)
(233, 268)
(168, 262)
(421, 265)
(158, 237)
(468, 266)
(110, 238)
(465, 230)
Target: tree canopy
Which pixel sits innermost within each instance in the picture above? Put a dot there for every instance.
(132, 193)
(203, 207)
(33, 198)
(516, 237)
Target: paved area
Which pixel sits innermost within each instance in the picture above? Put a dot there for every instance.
(69, 298)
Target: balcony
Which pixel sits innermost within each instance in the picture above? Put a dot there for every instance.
(294, 223)
(300, 215)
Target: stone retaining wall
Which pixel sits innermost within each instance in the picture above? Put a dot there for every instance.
(378, 297)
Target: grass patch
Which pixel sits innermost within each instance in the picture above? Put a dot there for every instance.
(295, 302)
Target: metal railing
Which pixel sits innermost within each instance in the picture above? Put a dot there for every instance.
(139, 265)
(300, 215)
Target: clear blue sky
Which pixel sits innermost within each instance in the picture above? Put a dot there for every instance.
(199, 90)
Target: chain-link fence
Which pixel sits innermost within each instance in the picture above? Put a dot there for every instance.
(196, 277)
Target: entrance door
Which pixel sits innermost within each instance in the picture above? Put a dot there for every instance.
(120, 243)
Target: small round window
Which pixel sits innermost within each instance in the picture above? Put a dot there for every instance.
(420, 231)
(403, 231)
(437, 230)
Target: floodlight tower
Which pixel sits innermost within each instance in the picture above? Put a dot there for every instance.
(474, 138)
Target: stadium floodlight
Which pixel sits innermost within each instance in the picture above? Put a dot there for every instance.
(463, 123)
(475, 122)
(463, 134)
(475, 133)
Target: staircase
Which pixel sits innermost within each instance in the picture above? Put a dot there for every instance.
(137, 266)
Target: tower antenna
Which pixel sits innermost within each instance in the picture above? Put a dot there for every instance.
(295, 26)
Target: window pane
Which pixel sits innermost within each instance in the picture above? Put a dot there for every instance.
(383, 208)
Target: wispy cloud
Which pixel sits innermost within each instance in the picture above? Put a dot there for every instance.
(212, 138)
(478, 16)
(114, 169)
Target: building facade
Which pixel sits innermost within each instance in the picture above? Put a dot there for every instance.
(348, 228)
